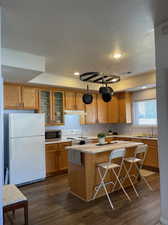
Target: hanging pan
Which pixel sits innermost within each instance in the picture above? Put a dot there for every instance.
(87, 97)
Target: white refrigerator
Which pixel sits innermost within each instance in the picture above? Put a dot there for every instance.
(26, 148)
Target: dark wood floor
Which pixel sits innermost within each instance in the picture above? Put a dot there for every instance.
(51, 204)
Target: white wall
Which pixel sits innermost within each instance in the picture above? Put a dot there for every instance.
(1, 132)
(22, 60)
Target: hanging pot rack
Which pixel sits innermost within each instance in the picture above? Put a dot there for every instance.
(99, 77)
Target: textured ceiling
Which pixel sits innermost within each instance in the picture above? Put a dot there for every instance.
(77, 35)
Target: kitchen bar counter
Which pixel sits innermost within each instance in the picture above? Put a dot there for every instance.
(96, 148)
(83, 176)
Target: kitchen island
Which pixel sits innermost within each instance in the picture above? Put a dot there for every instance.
(82, 172)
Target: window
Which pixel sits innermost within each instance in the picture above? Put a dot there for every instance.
(145, 112)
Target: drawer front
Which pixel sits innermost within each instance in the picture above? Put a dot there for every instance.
(52, 147)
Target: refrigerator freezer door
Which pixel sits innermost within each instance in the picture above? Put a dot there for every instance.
(27, 159)
(26, 125)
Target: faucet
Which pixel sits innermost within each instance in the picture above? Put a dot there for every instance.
(152, 129)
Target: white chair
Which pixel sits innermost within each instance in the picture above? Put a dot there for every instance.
(138, 163)
(107, 166)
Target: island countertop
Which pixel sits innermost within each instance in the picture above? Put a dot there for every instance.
(95, 148)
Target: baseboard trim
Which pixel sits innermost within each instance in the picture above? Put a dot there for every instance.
(154, 169)
(163, 221)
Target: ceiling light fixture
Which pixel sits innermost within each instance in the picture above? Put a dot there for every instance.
(117, 56)
(76, 73)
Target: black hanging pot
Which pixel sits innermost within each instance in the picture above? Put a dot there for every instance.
(111, 91)
(104, 90)
(87, 98)
(106, 97)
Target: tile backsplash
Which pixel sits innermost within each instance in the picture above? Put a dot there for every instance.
(131, 129)
(72, 127)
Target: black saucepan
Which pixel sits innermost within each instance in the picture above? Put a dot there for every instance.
(87, 97)
(106, 97)
(106, 89)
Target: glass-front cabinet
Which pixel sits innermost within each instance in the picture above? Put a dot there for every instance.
(52, 104)
(45, 104)
(58, 107)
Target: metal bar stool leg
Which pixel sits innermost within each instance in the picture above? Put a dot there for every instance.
(101, 183)
(121, 185)
(145, 181)
(104, 186)
(130, 180)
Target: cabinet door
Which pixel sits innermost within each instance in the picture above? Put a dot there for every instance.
(102, 110)
(125, 115)
(79, 102)
(63, 158)
(12, 96)
(52, 159)
(70, 103)
(91, 111)
(152, 157)
(58, 108)
(45, 104)
(29, 97)
(113, 110)
(52, 162)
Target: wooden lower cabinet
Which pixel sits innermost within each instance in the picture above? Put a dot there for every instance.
(56, 158)
(151, 161)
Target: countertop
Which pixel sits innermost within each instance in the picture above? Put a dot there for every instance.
(94, 148)
(65, 139)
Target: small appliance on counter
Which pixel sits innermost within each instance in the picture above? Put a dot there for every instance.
(53, 134)
(110, 132)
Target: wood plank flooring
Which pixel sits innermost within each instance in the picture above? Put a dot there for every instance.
(50, 203)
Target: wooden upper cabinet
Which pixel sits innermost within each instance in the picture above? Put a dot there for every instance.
(58, 107)
(79, 102)
(102, 112)
(12, 96)
(45, 104)
(113, 110)
(30, 97)
(20, 97)
(91, 111)
(125, 109)
(70, 100)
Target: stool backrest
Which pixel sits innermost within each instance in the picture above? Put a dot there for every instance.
(117, 153)
(141, 149)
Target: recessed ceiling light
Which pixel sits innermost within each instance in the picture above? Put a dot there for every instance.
(76, 73)
(117, 55)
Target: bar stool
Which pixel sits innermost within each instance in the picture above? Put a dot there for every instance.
(138, 163)
(107, 166)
